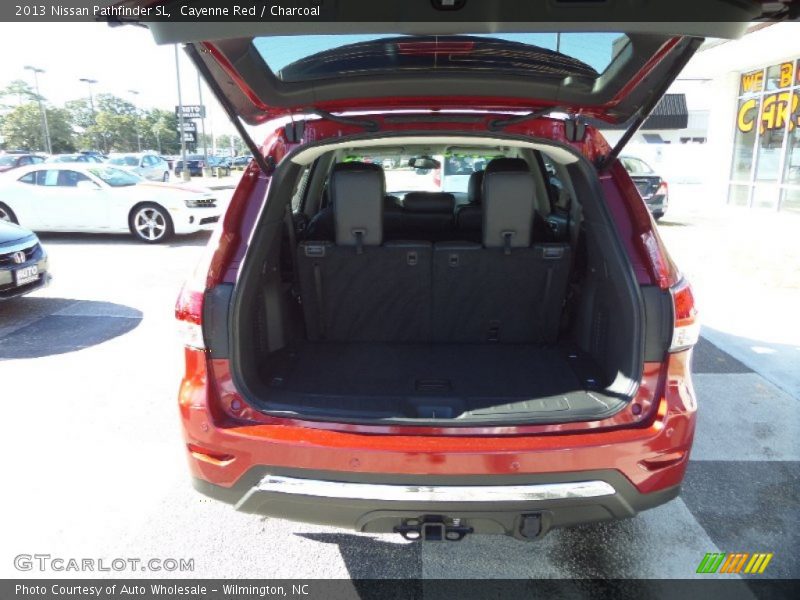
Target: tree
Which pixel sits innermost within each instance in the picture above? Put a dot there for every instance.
(231, 142)
(160, 131)
(16, 93)
(22, 129)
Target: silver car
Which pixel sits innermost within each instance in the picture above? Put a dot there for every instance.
(145, 164)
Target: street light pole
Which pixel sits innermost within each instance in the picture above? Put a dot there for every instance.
(203, 124)
(135, 93)
(48, 146)
(90, 83)
(185, 167)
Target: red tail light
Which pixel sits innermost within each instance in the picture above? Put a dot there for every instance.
(686, 329)
(437, 178)
(189, 312)
(663, 189)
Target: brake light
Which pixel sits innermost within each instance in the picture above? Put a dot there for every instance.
(686, 330)
(189, 313)
(663, 189)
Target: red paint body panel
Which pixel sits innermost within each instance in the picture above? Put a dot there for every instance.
(438, 451)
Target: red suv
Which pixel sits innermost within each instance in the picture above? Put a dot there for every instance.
(365, 352)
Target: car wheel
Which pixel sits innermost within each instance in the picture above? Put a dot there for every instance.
(6, 214)
(151, 223)
(165, 178)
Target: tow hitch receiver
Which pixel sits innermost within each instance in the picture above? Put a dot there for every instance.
(433, 528)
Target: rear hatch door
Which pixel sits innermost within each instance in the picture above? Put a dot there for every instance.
(606, 59)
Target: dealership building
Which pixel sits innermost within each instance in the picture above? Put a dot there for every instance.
(741, 133)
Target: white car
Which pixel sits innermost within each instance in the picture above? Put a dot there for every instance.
(99, 198)
(146, 164)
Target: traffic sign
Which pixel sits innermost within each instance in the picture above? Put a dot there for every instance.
(191, 111)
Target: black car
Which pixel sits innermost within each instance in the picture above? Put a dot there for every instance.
(23, 261)
(651, 186)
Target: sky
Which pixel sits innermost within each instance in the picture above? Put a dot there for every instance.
(119, 58)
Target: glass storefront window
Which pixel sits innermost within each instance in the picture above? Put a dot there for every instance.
(764, 156)
(779, 77)
(744, 140)
(739, 195)
(791, 200)
(765, 196)
(751, 83)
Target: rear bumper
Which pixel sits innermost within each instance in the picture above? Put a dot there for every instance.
(643, 464)
(657, 204)
(488, 505)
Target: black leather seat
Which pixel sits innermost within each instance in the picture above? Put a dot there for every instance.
(322, 225)
(509, 288)
(469, 216)
(428, 216)
(360, 287)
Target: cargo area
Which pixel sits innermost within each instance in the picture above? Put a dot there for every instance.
(508, 302)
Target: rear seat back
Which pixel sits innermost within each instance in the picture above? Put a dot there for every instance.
(362, 288)
(359, 288)
(428, 216)
(505, 290)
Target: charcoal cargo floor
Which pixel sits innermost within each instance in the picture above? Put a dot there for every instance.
(435, 381)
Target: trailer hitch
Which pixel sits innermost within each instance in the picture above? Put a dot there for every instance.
(433, 528)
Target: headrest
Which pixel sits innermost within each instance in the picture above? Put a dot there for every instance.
(357, 166)
(475, 187)
(391, 203)
(508, 207)
(357, 196)
(429, 202)
(507, 164)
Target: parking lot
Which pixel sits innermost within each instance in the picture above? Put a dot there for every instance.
(94, 461)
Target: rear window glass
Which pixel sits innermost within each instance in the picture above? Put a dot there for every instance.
(542, 54)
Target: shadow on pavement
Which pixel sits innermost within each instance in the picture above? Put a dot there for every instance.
(79, 325)
(199, 238)
(366, 557)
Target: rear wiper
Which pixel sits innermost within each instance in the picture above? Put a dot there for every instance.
(498, 124)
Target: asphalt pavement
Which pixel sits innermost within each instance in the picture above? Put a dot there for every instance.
(94, 461)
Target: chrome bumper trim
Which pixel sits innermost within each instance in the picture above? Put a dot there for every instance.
(436, 493)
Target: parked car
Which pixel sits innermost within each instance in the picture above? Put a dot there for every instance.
(12, 161)
(221, 163)
(100, 198)
(653, 189)
(73, 158)
(195, 162)
(23, 260)
(96, 154)
(240, 162)
(145, 164)
(402, 368)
